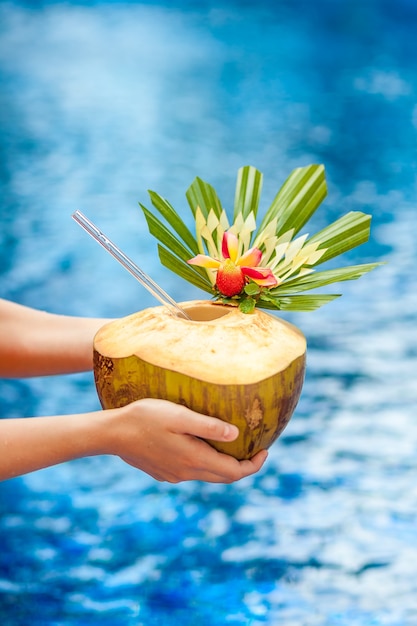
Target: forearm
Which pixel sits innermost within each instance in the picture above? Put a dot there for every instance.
(30, 444)
(36, 343)
(163, 439)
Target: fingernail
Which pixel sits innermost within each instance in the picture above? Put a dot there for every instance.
(230, 431)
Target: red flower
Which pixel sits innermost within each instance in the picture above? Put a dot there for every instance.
(233, 272)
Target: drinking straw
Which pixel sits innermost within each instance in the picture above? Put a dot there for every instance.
(145, 280)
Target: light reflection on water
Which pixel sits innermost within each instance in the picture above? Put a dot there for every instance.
(98, 105)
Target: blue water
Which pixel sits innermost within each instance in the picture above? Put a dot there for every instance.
(100, 101)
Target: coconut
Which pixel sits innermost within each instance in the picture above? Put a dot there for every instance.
(246, 369)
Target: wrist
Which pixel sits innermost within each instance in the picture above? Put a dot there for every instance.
(110, 429)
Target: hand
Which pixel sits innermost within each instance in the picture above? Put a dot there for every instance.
(165, 440)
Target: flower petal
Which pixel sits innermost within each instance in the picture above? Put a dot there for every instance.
(251, 258)
(261, 275)
(202, 260)
(230, 246)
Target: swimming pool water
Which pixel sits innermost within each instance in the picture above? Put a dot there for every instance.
(101, 101)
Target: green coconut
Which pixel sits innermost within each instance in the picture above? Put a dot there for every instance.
(246, 369)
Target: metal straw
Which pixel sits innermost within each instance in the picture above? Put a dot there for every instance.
(145, 280)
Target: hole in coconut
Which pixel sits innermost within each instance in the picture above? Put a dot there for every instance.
(206, 313)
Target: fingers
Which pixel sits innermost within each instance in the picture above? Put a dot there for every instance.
(237, 469)
(216, 467)
(169, 443)
(206, 427)
(235, 472)
(253, 465)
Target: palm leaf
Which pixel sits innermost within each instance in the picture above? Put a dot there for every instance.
(248, 191)
(297, 200)
(347, 232)
(171, 216)
(292, 207)
(321, 279)
(165, 236)
(190, 274)
(297, 303)
(203, 195)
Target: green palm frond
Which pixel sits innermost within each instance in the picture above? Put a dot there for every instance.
(316, 280)
(297, 200)
(248, 192)
(296, 302)
(291, 258)
(174, 220)
(193, 275)
(202, 195)
(349, 231)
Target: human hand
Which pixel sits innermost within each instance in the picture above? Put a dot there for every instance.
(165, 440)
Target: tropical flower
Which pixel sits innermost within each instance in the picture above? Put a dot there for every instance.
(270, 266)
(234, 271)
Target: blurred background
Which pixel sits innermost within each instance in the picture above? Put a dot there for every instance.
(101, 101)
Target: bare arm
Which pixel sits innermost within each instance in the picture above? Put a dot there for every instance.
(161, 438)
(36, 343)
